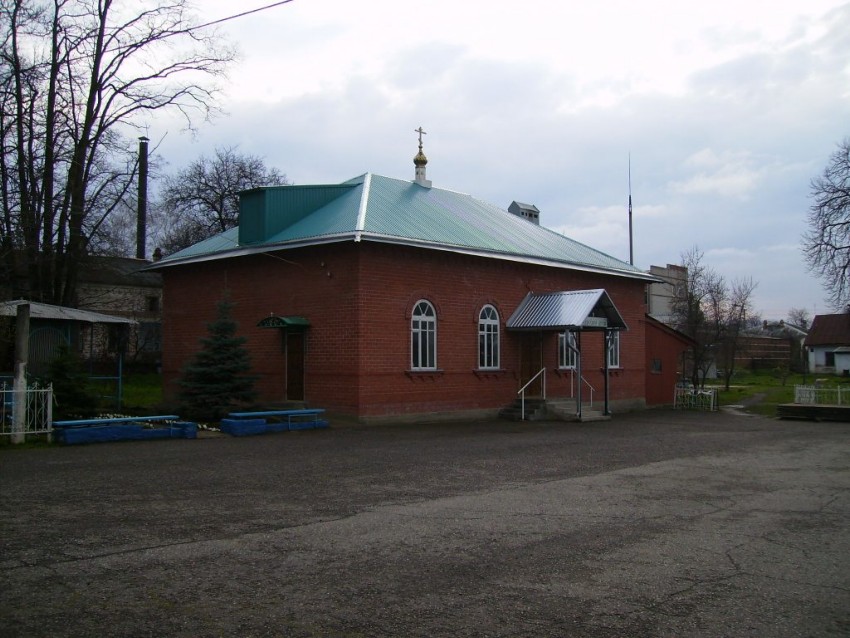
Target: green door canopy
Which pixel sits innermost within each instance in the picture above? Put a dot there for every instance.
(289, 321)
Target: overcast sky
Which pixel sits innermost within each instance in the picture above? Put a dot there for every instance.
(727, 108)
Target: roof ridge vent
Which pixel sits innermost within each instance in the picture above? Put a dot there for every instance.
(526, 211)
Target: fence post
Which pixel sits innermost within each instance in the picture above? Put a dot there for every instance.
(22, 340)
(49, 412)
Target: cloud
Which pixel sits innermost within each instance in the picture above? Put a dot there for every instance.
(727, 112)
(727, 174)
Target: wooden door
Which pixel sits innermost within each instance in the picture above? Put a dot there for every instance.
(530, 362)
(294, 366)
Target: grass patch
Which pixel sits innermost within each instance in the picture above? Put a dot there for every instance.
(141, 392)
(761, 392)
(142, 395)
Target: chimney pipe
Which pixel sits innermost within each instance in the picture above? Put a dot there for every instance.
(142, 211)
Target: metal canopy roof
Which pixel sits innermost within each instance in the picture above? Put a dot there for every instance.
(62, 313)
(567, 310)
(275, 321)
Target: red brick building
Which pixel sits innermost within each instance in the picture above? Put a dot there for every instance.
(383, 298)
(665, 348)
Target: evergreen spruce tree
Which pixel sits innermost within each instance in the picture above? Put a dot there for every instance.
(216, 380)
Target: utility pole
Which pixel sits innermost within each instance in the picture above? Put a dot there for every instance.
(631, 241)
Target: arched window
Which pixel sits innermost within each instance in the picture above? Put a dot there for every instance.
(423, 337)
(488, 338)
(567, 354)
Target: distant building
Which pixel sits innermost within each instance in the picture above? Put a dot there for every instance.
(673, 280)
(828, 344)
(121, 287)
(792, 337)
(114, 286)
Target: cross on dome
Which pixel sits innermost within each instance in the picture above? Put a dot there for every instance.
(420, 161)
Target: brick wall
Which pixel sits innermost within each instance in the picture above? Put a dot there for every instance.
(667, 351)
(140, 303)
(358, 345)
(763, 353)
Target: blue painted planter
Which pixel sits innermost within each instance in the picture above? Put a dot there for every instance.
(244, 427)
(125, 432)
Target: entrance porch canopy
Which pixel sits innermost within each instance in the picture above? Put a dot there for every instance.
(290, 322)
(574, 310)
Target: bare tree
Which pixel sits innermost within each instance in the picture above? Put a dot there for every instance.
(77, 78)
(712, 313)
(203, 199)
(732, 322)
(826, 244)
(799, 317)
(691, 306)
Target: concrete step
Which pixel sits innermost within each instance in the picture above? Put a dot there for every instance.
(535, 410)
(813, 412)
(553, 409)
(566, 410)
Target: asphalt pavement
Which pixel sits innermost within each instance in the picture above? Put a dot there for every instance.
(659, 523)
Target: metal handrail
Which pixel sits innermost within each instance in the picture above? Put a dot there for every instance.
(572, 385)
(591, 391)
(521, 391)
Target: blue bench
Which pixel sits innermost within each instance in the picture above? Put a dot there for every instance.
(257, 422)
(124, 429)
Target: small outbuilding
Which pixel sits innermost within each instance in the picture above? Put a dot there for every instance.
(828, 344)
(52, 327)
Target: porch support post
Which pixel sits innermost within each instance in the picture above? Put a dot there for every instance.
(578, 369)
(607, 340)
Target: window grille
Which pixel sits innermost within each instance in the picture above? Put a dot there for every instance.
(614, 350)
(423, 337)
(488, 338)
(566, 355)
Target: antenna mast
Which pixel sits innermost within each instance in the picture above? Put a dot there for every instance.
(631, 242)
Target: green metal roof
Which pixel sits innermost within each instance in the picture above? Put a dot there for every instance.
(376, 208)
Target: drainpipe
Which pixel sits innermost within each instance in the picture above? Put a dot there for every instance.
(580, 378)
(609, 336)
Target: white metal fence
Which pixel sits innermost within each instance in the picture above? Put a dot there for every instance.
(36, 404)
(691, 399)
(815, 395)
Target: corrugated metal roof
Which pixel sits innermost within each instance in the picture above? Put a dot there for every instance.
(567, 310)
(829, 330)
(122, 271)
(378, 208)
(47, 311)
(215, 245)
